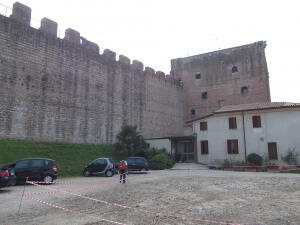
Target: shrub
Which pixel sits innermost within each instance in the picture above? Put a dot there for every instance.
(153, 152)
(160, 162)
(291, 157)
(255, 158)
(141, 153)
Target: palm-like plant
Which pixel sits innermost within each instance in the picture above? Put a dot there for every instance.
(130, 140)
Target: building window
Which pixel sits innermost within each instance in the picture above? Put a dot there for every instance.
(198, 75)
(272, 149)
(203, 125)
(221, 103)
(204, 95)
(232, 123)
(256, 121)
(244, 90)
(232, 146)
(204, 147)
(193, 111)
(179, 82)
(148, 145)
(223, 64)
(234, 69)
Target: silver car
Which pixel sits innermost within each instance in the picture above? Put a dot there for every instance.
(100, 166)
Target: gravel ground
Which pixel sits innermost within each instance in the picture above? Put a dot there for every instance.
(159, 197)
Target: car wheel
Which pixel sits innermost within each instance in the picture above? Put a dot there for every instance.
(143, 170)
(109, 173)
(48, 179)
(87, 173)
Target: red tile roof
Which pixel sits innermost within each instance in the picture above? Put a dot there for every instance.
(250, 107)
(256, 106)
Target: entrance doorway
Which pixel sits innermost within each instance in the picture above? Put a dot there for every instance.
(188, 153)
(186, 149)
(183, 148)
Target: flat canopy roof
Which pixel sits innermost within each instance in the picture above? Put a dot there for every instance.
(174, 138)
(182, 138)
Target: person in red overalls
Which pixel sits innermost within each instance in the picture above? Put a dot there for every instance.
(122, 167)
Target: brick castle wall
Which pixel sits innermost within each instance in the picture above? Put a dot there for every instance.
(219, 80)
(56, 89)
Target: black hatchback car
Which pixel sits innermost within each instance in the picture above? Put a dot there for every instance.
(137, 164)
(36, 169)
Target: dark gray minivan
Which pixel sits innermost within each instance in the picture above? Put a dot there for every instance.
(35, 169)
(137, 164)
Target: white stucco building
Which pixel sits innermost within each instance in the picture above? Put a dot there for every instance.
(234, 131)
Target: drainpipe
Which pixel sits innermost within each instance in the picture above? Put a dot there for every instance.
(244, 133)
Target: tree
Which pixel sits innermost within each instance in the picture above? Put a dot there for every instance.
(291, 157)
(255, 158)
(130, 140)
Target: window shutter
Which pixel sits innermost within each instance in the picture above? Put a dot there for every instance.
(236, 147)
(256, 121)
(228, 147)
(272, 150)
(232, 123)
(203, 125)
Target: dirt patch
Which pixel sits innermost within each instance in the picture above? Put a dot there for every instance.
(159, 197)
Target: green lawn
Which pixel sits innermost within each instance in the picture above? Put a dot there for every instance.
(70, 158)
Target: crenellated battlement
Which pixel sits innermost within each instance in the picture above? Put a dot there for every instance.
(65, 89)
(22, 14)
(49, 26)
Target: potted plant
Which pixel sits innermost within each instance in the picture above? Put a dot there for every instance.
(227, 166)
(250, 167)
(272, 167)
(284, 168)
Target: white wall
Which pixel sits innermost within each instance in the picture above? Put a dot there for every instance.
(282, 127)
(160, 143)
(217, 134)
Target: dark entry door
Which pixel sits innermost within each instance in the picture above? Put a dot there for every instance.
(37, 168)
(188, 152)
(22, 170)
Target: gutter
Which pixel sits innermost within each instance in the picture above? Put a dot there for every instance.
(244, 134)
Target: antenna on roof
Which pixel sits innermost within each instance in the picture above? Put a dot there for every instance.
(218, 43)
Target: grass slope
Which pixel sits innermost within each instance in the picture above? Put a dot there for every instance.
(70, 158)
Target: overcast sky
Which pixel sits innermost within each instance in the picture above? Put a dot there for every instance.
(156, 31)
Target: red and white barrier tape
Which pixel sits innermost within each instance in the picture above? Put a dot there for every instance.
(69, 210)
(75, 189)
(136, 209)
(71, 182)
(78, 189)
(271, 166)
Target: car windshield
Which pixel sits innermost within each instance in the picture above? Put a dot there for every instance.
(99, 161)
(140, 160)
(130, 160)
